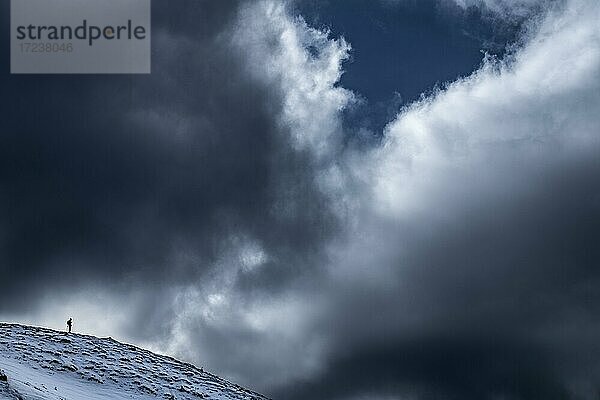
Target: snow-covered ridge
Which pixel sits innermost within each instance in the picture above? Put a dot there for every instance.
(40, 363)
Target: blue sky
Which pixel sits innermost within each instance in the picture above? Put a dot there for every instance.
(401, 50)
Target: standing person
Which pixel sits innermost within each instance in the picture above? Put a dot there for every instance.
(69, 324)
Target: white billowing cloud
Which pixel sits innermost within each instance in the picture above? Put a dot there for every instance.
(302, 64)
(490, 131)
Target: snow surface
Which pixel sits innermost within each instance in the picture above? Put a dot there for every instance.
(43, 364)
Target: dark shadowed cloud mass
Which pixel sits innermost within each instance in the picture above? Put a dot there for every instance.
(279, 203)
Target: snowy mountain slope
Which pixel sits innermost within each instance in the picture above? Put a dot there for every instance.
(43, 364)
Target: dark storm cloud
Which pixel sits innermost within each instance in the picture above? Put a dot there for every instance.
(436, 368)
(105, 178)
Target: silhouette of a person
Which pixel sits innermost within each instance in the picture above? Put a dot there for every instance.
(69, 324)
